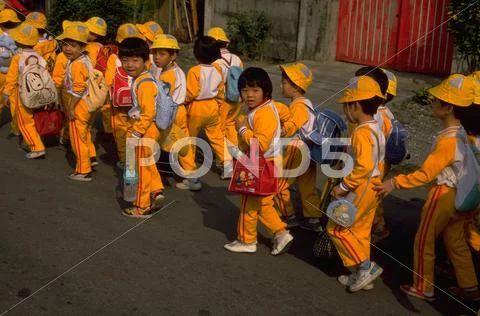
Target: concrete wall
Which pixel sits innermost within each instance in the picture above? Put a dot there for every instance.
(284, 15)
(301, 29)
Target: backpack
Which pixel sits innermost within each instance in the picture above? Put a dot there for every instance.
(97, 90)
(103, 55)
(165, 107)
(467, 197)
(233, 74)
(36, 86)
(396, 145)
(328, 125)
(7, 50)
(120, 91)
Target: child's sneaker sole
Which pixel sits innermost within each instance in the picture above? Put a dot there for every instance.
(409, 290)
(375, 271)
(284, 247)
(343, 280)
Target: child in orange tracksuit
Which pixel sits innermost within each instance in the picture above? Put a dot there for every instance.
(97, 31)
(439, 216)
(74, 42)
(263, 126)
(165, 50)
(360, 102)
(296, 78)
(26, 37)
(47, 46)
(120, 121)
(8, 21)
(134, 53)
(205, 94)
(228, 110)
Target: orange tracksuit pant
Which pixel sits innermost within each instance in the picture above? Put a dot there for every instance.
(26, 124)
(440, 217)
(472, 231)
(13, 123)
(379, 220)
(353, 244)
(149, 179)
(106, 113)
(252, 209)
(81, 137)
(305, 184)
(205, 115)
(178, 131)
(121, 122)
(229, 112)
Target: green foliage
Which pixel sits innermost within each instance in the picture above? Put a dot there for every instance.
(142, 10)
(248, 31)
(464, 25)
(114, 12)
(422, 96)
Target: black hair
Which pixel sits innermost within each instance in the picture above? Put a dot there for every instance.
(170, 51)
(23, 45)
(256, 77)
(206, 50)
(370, 106)
(284, 76)
(134, 47)
(469, 118)
(222, 44)
(376, 74)
(389, 98)
(10, 25)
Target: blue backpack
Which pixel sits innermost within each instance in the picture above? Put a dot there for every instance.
(165, 107)
(396, 146)
(7, 50)
(328, 124)
(231, 90)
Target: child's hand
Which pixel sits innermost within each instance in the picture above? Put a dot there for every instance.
(240, 121)
(6, 100)
(337, 192)
(71, 114)
(385, 188)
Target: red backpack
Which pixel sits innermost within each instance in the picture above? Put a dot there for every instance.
(103, 55)
(120, 91)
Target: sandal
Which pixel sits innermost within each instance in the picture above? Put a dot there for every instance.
(157, 199)
(410, 290)
(138, 212)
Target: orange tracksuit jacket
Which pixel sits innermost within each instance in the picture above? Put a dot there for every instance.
(229, 110)
(263, 124)
(75, 83)
(47, 48)
(120, 121)
(175, 77)
(439, 215)
(205, 94)
(368, 146)
(149, 179)
(301, 118)
(22, 116)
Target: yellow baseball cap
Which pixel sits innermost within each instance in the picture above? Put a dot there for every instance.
(97, 25)
(128, 30)
(392, 82)
(8, 15)
(218, 33)
(150, 30)
(37, 19)
(299, 74)
(25, 34)
(67, 23)
(166, 41)
(457, 90)
(77, 32)
(361, 88)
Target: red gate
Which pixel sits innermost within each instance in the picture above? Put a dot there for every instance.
(407, 35)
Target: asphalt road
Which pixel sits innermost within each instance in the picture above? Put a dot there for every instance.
(66, 250)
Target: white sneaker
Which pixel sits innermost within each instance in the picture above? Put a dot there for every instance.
(348, 280)
(157, 199)
(282, 243)
(240, 247)
(189, 184)
(80, 177)
(365, 277)
(35, 154)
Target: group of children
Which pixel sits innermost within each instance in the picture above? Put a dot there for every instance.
(143, 55)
